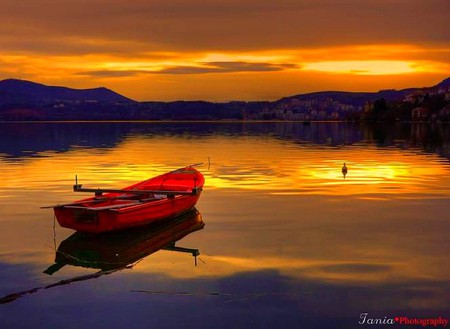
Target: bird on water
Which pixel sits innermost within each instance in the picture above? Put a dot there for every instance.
(344, 170)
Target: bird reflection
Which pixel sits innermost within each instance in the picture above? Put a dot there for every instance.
(117, 250)
(344, 170)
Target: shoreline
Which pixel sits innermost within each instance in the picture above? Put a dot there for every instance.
(224, 121)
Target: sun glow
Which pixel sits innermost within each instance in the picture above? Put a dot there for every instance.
(223, 75)
(376, 67)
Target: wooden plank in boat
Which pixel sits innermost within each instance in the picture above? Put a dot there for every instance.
(116, 206)
(99, 191)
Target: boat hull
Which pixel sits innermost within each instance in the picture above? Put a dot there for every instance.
(117, 214)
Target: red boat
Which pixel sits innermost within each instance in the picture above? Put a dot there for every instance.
(158, 198)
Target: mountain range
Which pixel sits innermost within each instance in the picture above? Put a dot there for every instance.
(26, 100)
(22, 92)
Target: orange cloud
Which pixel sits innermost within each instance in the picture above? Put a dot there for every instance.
(246, 75)
(235, 49)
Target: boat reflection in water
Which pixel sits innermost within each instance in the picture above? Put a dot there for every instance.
(117, 250)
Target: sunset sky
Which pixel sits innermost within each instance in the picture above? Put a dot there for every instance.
(222, 50)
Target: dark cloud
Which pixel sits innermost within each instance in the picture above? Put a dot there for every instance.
(209, 67)
(195, 25)
(227, 67)
(112, 73)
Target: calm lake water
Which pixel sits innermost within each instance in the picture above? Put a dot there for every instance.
(287, 242)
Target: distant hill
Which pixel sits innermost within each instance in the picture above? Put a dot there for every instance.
(353, 106)
(26, 100)
(352, 98)
(444, 83)
(22, 92)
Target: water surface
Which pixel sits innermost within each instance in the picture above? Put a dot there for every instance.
(288, 241)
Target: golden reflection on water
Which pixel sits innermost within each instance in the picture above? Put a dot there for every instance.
(262, 164)
(267, 204)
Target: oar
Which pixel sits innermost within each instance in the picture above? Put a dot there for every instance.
(54, 268)
(100, 191)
